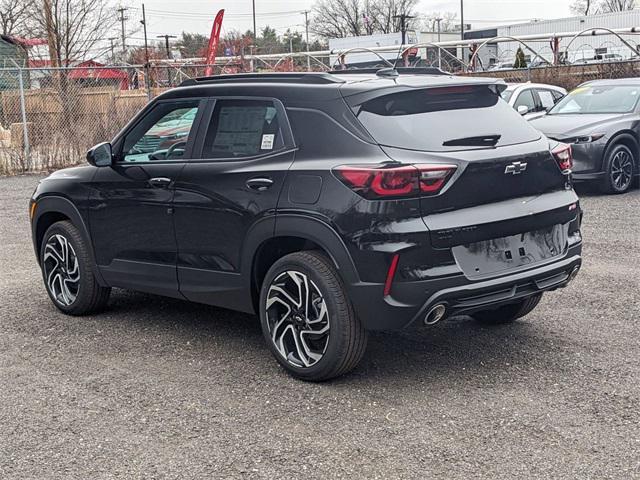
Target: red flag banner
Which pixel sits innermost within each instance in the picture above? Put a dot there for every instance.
(213, 43)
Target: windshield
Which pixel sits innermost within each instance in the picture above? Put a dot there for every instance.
(444, 119)
(599, 99)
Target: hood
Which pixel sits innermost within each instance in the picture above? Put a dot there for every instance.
(566, 125)
(77, 172)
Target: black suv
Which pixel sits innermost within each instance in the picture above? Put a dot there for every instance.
(328, 203)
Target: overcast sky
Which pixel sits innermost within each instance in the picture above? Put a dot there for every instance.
(175, 16)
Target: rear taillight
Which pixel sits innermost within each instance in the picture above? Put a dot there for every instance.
(391, 181)
(563, 155)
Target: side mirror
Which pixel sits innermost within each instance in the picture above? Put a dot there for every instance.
(522, 110)
(100, 155)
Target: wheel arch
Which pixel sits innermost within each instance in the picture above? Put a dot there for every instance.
(627, 138)
(52, 209)
(294, 233)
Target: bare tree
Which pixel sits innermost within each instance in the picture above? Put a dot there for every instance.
(75, 27)
(345, 18)
(14, 15)
(607, 6)
(448, 22)
(338, 18)
(386, 14)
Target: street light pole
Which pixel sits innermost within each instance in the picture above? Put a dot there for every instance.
(255, 35)
(461, 19)
(439, 55)
(146, 54)
(306, 24)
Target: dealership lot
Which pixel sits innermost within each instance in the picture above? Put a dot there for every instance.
(159, 388)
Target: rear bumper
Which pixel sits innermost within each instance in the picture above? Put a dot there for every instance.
(409, 302)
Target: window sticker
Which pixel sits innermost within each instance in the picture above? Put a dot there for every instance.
(267, 141)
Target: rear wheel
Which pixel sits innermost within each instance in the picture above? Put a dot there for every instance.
(67, 271)
(619, 169)
(307, 318)
(508, 313)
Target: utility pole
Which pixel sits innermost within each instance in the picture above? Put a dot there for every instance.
(166, 46)
(439, 55)
(51, 39)
(123, 19)
(166, 43)
(113, 51)
(146, 53)
(306, 24)
(255, 34)
(403, 25)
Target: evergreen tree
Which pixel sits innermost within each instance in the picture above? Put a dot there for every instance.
(520, 62)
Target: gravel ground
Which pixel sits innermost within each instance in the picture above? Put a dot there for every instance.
(159, 388)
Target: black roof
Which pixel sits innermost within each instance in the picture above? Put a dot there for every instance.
(303, 88)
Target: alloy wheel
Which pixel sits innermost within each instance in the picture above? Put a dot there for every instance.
(297, 318)
(621, 170)
(61, 270)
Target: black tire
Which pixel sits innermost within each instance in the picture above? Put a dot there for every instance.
(508, 313)
(346, 338)
(619, 168)
(86, 296)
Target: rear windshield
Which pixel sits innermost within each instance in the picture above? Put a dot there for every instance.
(444, 119)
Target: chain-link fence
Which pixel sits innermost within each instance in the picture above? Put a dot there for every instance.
(49, 117)
(567, 76)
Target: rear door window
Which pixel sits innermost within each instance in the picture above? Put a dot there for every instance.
(526, 99)
(546, 98)
(444, 119)
(243, 128)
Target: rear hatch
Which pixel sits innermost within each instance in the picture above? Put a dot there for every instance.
(505, 181)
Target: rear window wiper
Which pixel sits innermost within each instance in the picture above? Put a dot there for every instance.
(479, 141)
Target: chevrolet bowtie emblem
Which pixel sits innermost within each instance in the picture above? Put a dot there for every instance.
(515, 168)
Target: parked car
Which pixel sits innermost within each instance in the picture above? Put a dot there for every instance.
(532, 100)
(601, 121)
(602, 58)
(501, 66)
(328, 205)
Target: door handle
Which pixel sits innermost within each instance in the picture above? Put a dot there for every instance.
(259, 183)
(160, 182)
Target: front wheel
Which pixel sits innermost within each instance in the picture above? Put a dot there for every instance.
(508, 313)
(619, 169)
(307, 318)
(67, 271)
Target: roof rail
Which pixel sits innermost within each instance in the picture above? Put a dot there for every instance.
(385, 71)
(279, 77)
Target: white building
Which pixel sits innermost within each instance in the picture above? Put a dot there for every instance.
(582, 48)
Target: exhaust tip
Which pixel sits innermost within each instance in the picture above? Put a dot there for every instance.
(435, 314)
(574, 273)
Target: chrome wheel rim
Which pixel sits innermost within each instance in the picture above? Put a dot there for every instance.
(61, 270)
(297, 319)
(621, 170)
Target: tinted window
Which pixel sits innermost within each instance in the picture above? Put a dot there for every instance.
(242, 128)
(599, 99)
(426, 119)
(162, 134)
(526, 98)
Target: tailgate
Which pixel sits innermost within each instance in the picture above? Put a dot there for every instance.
(502, 219)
